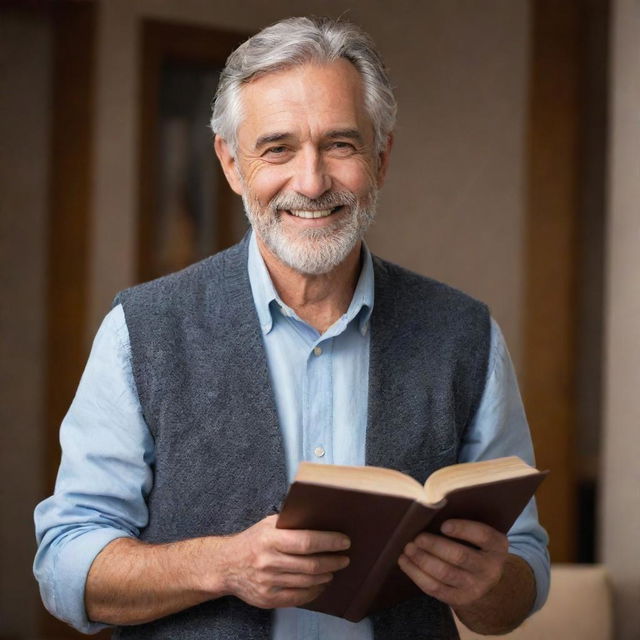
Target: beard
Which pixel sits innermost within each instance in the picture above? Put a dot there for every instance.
(316, 250)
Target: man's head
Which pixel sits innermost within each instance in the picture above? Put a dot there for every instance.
(296, 41)
(303, 118)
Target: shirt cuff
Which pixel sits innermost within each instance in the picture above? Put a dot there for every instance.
(71, 567)
(540, 568)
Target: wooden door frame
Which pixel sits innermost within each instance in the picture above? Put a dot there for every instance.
(71, 175)
(564, 154)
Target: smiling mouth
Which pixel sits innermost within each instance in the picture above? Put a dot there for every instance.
(309, 215)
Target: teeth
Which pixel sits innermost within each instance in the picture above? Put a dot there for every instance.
(311, 214)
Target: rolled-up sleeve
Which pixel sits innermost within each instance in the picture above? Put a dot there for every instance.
(104, 478)
(500, 428)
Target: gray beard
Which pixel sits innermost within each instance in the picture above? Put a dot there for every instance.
(312, 251)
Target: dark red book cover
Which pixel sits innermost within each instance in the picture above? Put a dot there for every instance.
(379, 527)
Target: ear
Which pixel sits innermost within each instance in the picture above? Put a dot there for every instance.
(383, 160)
(229, 164)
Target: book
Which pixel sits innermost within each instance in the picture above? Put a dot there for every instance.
(381, 510)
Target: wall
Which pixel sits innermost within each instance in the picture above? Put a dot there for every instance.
(621, 494)
(453, 204)
(25, 69)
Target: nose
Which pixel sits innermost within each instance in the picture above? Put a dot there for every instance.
(311, 177)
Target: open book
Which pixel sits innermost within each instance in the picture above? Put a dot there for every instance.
(382, 509)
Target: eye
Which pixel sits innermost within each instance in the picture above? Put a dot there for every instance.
(277, 153)
(342, 147)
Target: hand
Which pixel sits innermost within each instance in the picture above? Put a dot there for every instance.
(268, 567)
(454, 573)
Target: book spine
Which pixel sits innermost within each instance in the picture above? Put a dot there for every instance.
(413, 522)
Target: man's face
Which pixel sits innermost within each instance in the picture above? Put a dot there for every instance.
(305, 164)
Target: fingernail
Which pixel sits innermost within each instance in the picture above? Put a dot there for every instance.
(447, 528)
(345, 543)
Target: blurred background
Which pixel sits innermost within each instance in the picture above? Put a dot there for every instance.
(515, 176)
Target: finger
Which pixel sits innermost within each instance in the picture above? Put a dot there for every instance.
(310, 565)
(481, 535)
(305, 542)
(438, 569)
(300, 580)
(449, 551)
(428, 584)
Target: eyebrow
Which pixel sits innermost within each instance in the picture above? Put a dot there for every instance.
(350, 134)
(270, 138)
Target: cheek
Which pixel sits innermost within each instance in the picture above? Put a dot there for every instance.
(265, 183)
(357, 177)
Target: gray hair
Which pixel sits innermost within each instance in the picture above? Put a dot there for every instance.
(295, 41)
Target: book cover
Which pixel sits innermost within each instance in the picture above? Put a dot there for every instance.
(380, 523)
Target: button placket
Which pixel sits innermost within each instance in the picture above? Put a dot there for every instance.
(319, 403)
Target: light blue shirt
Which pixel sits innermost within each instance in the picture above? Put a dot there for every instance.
(105, 472)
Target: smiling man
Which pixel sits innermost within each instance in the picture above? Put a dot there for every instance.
(205, 389)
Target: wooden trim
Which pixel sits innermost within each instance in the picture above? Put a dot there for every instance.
(74, 28)
(551, 250)
(162, 41)
(594, 98)
(71, 173)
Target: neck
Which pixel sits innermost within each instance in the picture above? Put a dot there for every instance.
(319, 300)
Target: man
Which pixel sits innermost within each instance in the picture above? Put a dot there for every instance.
(206, 388)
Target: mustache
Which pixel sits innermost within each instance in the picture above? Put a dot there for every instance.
(328, 200)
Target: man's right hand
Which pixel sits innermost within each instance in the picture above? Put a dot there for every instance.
(131, 582)
(268, 567)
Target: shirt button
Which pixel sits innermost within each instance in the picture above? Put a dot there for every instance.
(319, 452)
(317, 351)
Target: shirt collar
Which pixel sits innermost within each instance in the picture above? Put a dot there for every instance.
(265, 294)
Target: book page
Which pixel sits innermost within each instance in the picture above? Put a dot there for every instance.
(371, 479)
(469, 474)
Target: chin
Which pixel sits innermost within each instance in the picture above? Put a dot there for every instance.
(312, 258)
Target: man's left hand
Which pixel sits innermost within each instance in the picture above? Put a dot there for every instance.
(455, 573)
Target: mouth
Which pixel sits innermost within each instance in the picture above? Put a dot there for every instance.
(311, 215)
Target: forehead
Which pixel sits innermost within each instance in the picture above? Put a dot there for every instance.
(306, 100)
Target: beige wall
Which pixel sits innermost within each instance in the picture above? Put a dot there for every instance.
(25, 78)
(453, 205)
(620, 497)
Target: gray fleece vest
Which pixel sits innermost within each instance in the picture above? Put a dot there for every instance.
(201, 374)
